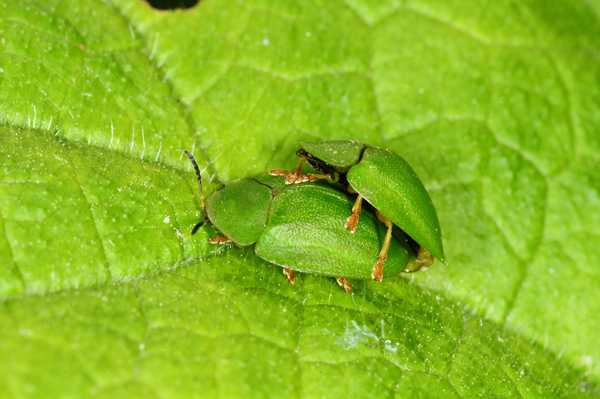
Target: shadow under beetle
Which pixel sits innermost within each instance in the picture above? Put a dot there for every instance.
(386, 181)
(301, 228)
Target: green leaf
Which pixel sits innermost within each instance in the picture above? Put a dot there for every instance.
(104, 292)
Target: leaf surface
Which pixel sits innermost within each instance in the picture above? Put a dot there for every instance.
(104, 292)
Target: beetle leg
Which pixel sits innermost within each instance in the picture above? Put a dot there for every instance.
(424, 260)
(334, 177)
(289, 273)
(290, 177)
(279, 172)
(219, 240)
(352, 220)
(344, 283)
(378, 268)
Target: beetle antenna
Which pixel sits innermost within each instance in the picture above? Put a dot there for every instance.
(196, 227)
(193, 161)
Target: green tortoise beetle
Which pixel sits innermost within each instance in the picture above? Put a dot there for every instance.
(382, 178)
(300, 228)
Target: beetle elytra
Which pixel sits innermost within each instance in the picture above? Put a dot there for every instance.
(301, 228)
(382, 178)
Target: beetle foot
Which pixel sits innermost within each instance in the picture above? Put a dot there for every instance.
(344, 283)
(219, 240)
(352, 222)
(297, 177)
(378, 271)
(424, 260)
(304, 178)
(292, 178)
(289, 273)
(312, 177)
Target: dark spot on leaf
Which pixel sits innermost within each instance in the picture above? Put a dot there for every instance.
(172, 4)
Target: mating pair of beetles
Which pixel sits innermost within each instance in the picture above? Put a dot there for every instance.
(316, 228)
